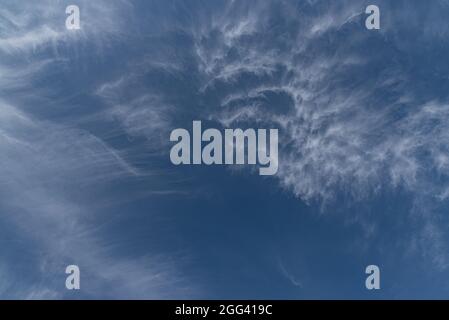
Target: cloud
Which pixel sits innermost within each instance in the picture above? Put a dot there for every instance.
(42, 24)
(43, 166)
(352, 106)
(338, 133)
(357, 118)
(350, 118)
(291, 278)
(55, 173)
(146, 115)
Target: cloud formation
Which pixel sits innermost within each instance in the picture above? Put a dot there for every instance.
(355, 113)
(54, 172)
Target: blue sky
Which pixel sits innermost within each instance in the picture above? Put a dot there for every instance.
(86, 178)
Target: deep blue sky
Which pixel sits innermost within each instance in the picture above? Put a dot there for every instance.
(86, 179)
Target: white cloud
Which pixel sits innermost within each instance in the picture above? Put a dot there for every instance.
(53, 173)
(344, 133)
(43, 166)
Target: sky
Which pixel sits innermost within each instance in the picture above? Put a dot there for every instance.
(86, 177)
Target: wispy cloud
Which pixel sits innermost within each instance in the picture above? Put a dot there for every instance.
(355, 119)
(351, 120)
(53, 173)
(43, 165)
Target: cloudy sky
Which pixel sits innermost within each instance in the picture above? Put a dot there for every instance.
(86, 178)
